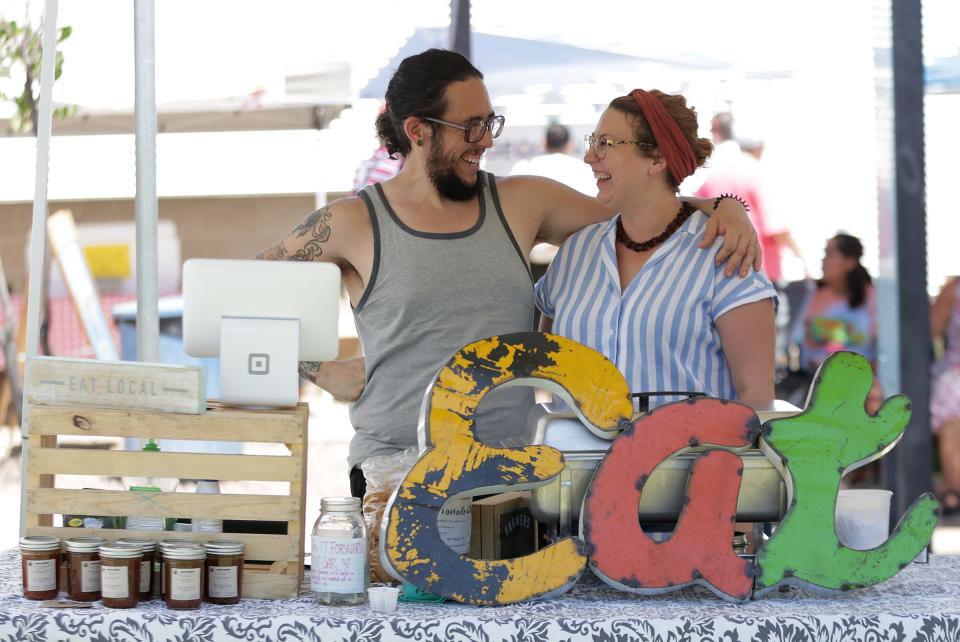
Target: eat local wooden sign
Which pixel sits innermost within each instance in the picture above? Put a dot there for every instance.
(811, 450)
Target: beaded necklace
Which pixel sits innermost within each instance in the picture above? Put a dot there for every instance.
(686, 209)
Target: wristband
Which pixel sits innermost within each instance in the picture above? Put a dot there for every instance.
(738, 199)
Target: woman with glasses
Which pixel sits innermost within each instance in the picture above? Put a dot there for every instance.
(637, 288)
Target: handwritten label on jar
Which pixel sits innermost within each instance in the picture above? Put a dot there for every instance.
(90, 576)
(145, 576)
(41, 575)
(185, 583)
(222, 581)
(337, 565)
(115, 582)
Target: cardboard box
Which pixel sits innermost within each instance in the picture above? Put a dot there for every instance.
(503, 527)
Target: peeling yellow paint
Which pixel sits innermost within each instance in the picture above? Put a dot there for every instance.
(547, 569)
(600, 392)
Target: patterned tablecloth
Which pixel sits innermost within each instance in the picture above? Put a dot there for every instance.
(920, 604)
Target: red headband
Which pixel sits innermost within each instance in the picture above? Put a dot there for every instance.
(681, 161)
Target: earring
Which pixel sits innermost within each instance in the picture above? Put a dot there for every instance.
(419, 141)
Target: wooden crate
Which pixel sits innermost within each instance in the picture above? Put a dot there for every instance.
(281, 572)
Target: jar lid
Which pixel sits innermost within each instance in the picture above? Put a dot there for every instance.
(224, 547)
(339, 504)
(121, 551)
(172, 543)
(146, 545)
(185, 553)
(84, 544)
(39, 543)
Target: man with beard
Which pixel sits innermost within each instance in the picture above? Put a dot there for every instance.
(436, 257)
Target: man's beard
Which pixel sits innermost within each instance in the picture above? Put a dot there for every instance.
(443, 175)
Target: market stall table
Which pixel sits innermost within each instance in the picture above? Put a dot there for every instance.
(922, 603)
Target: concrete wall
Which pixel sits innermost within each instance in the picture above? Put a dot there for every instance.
(227, 227)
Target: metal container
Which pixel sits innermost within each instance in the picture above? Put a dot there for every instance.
(762, 495)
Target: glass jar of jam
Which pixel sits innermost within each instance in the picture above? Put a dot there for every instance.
(224, 571)
(40, 563)
(158, 582)
(147, 579)
(183, 576)
(83, 568)
(120, 575)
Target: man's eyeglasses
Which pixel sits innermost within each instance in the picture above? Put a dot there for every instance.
(475, 128)
(599, 144)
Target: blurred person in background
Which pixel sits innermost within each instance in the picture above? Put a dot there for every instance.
(376, 169)
(638, 288)
(945, 400)
(735, 167)
(379, 167)
(558, 163)
(841, 313)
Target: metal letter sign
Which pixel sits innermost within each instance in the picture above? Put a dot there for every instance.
(700, 550)
(456, 463)
(812, 451)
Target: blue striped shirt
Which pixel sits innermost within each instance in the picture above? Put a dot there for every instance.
(661, 332)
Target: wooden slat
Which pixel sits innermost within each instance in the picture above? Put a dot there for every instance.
(176, 465)
(258, 546)
(218, 424)
(37, 480)
(149, 504)
(129, 385)
(265, 584)
(299, 495)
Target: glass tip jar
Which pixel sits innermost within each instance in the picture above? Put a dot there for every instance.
(339, 565)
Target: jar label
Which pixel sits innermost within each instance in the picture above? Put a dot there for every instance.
(185, 583)
(115, 582)
(145, 576)
(338, 565)
(41, 575)
(455, 522)
(222, 581)
(90, 576)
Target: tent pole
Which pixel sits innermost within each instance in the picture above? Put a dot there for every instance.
(145, 114)
(460, 27)
(38, 233)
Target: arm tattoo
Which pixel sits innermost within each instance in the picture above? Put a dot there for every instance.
(308, 370)
(273, 253)
(317, 227)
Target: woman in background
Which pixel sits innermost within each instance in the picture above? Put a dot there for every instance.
(945, 400)
(842, 312)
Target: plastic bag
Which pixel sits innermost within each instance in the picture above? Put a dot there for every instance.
(383, 474)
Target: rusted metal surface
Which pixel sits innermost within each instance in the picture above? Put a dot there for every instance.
(700, 549)
(456, 463)
(812, 450)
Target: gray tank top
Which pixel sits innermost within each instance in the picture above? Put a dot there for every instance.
(428, 296)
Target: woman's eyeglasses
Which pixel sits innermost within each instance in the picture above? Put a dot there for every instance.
(475, 128)
(599, 144)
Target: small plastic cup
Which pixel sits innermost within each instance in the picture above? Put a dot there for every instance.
(863, 518)
(383, 599)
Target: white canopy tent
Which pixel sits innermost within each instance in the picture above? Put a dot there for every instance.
(146, 200)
